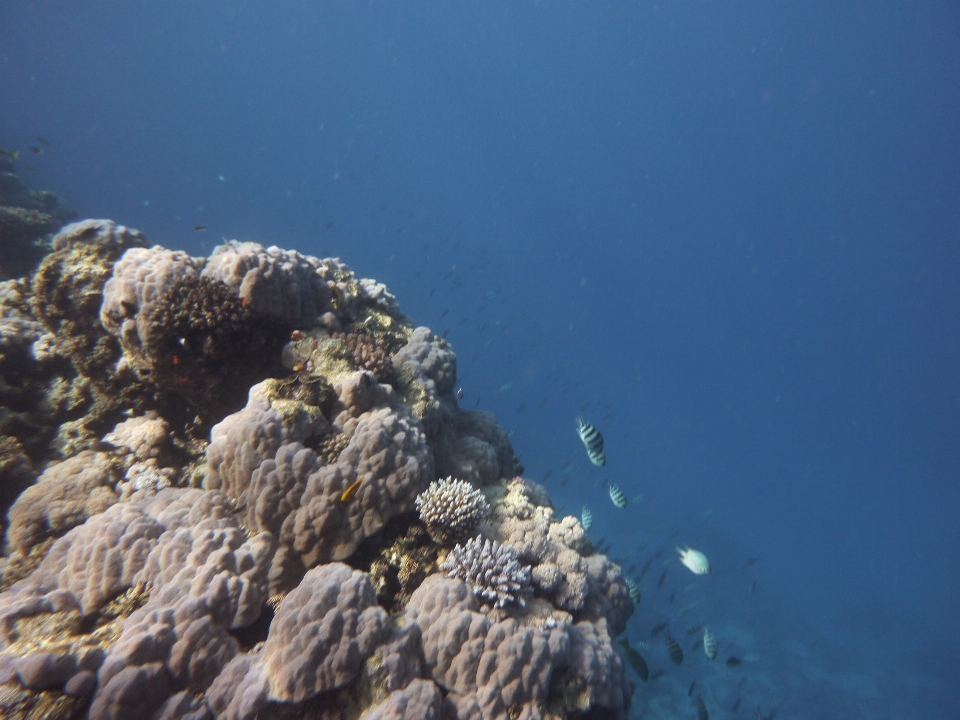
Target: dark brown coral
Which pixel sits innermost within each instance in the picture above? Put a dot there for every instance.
(209, 347)
(370, 353)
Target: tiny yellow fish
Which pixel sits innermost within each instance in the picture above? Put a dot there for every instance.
(350, 491)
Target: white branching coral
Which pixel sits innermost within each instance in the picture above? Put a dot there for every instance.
(492, 570)
(451, 509)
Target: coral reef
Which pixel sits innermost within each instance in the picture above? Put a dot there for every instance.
(451, 509)
(491, 569)
(175, 551)
(26, 217)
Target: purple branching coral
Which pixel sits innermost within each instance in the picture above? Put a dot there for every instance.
(492, 570)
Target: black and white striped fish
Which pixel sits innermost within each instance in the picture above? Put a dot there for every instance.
(618, 497)
(673, 648)
(593, 441)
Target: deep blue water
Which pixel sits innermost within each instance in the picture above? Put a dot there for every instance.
(728, 233)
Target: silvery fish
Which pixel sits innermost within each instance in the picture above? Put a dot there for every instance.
(593, 441)
(709, 644)
(633, 589)
(617, 496)
(586, 519)
(695, 560)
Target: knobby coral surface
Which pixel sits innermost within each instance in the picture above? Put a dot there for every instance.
(171, 555)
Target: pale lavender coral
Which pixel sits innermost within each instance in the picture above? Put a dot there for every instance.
(101, 232)
(146, 437)
(491, 569)
(466, 444)
(241, 690)
(376, 293)
(256, 459)
(430, 361)
(595, 676)
(486, 665)
(322, 632)
(420, 700)
(283, 284)
(207, 578)
(65, 495)
(140, 279)
(243, 440)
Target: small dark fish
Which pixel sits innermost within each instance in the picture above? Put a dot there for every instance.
(657, 629)
(655, 674)
(646, 566)
(478, 401)
(753, 586)
(548, 473)
(445, 333)
(692, 686)
(330, 224)
(736, 704)
(12, 154)
(636, 660)
(673, 648)
(521, 408)
(694, 629)
(43, 141)
(663, 576)
(445, 313)
(460, 394)
(36, 150)
(702, 713)
(659, 552)
(749, 561)
(732, 662)
(199, 228)
(673, 596)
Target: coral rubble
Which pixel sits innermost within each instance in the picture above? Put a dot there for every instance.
(224, 483)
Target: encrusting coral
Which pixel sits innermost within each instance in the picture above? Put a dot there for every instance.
(298, 564)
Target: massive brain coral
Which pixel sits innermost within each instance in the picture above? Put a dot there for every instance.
(295, 577)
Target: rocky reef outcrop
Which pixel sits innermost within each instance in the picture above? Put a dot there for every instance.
(210, 470)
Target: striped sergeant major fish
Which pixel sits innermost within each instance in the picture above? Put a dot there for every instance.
(592, 440)
(617, 496)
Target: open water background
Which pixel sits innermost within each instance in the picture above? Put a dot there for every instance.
(729, 233)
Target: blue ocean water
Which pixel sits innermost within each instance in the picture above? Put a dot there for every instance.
(727, 233)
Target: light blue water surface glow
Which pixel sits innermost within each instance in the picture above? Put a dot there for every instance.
(729, 233)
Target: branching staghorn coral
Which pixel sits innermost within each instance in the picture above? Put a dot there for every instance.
(491, 569)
